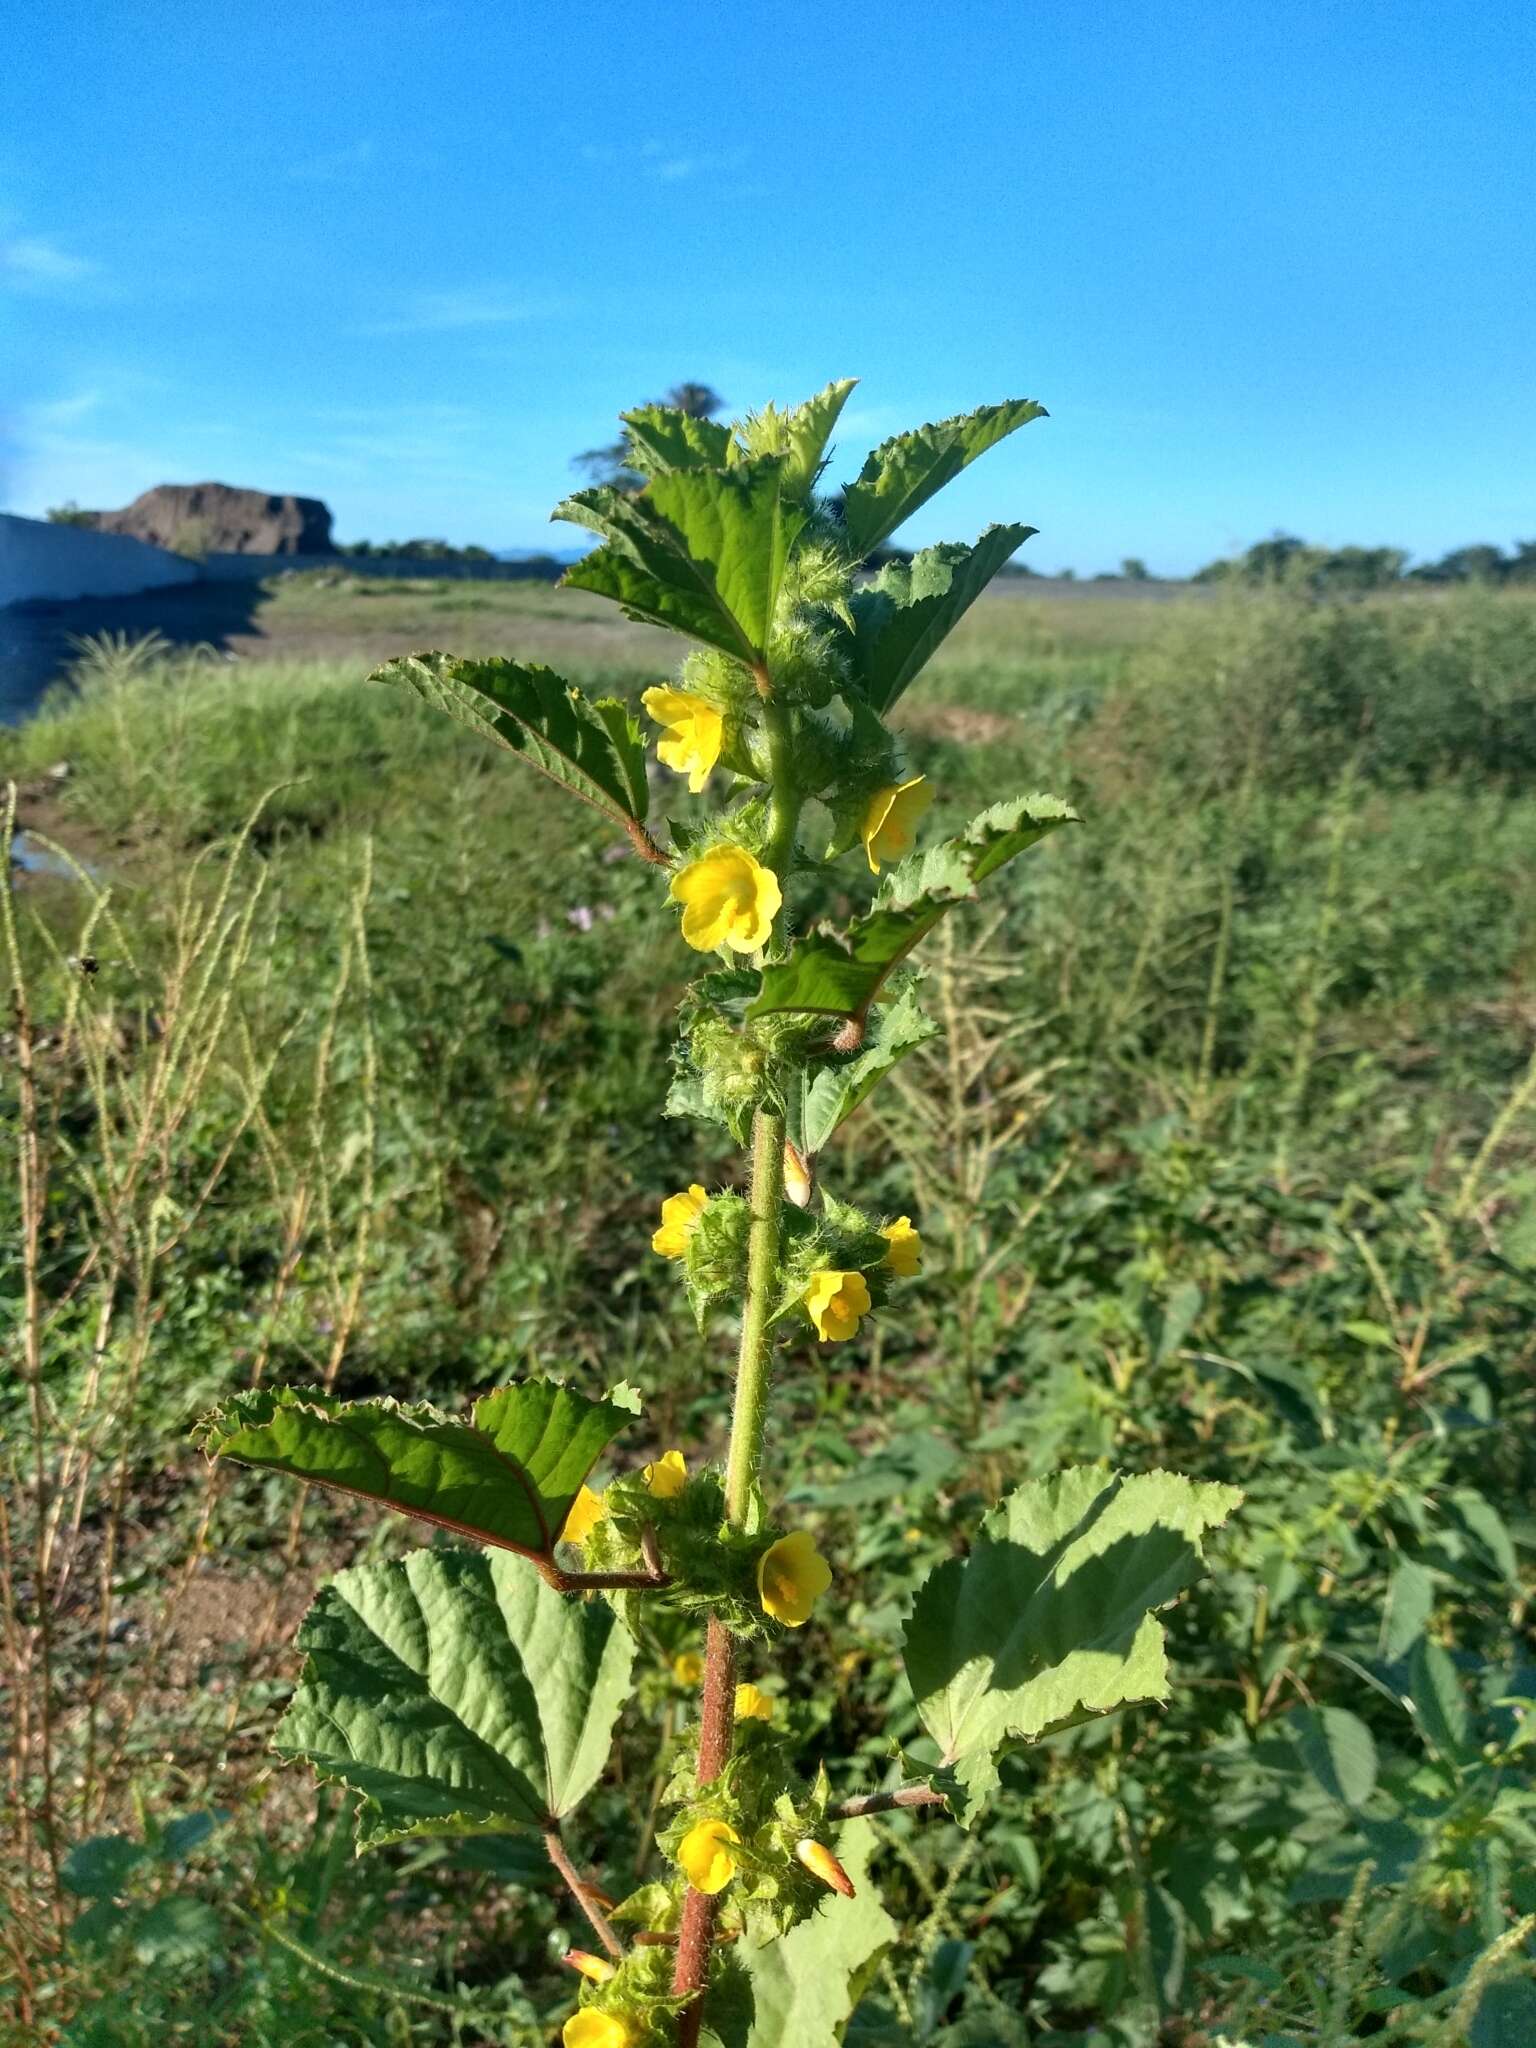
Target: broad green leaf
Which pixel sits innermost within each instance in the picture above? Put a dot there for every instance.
(672, 600)
(800, 1991)
(1338, 1751)
(702, 551)
(1051, 1618)
(738, 524)
(1484, 1522)
(100, 1867)
(458, 1693)
(904, 473)
(1438, 1702)
(593, 749)
(839, 974)
(178, 1931)
(801, 434)
(1410, 1602)
(668, 439)
(506, 1477)
(836, 1092)
(911, 607)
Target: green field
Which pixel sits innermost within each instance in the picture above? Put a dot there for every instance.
(1225, 1162)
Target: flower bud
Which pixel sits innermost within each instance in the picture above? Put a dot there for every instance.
(797, 1177)
(820, 1862)
(597, 1969)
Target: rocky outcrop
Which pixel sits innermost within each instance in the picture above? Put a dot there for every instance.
(217, 519)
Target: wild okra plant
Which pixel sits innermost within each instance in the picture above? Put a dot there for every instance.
(474, 1687)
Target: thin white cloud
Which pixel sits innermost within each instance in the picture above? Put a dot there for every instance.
(335, 163)
(51, 414)
(33, 263)
(461, 308)
(662, 163)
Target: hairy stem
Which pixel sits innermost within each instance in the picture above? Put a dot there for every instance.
(885, 1802)
(581, 1892)
(763, 1246)
(717, 1711)
(785, 798)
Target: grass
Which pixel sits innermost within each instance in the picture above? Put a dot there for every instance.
(1230, 1169)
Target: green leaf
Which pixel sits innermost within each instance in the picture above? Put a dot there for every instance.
(1338, 1751)
(911, 607)
(839, 974)
(178, 1931)
(100, 1867)
(1486, 1525)
(1438, 1702)
(905, 472)
(593, 749)
(702, 551)
(802, 1989)
(806, 432)
(669, 439)
(1410, 1602)
(739, 526)
(1050, 1619)
(506, 1477)
(458, 1693)
(835, 1093)
(671, 600)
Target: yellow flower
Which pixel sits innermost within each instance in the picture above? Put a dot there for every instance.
(906, 1253)
(836, 1302)
(890, 820)
(694, 731)
(705, 1856)
(666, 1479)
(752, 1705)
(728, 899)
(590, 2028)
(820, 1862)
(587, 1510)
(687, 1667)
(679, 1214)
(792, 1575)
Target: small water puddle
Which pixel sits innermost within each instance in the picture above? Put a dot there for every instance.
(33, 859)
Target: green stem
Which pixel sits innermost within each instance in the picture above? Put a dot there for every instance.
(785, 797)
(763, 1245)
(745, 1455)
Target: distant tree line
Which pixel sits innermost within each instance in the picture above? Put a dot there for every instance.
(415, 550)
(1283, 559)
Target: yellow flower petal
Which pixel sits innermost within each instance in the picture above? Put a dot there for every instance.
(679, 1214)
(666, 1479)
(687, 1667)
(752, 1705)
(704, 1855)
(792, 1575)
(590, 2028)
(836, 1301)
(586, 1511)
(889, 825)
(694, 732)
(728, 899)
(905, 1256)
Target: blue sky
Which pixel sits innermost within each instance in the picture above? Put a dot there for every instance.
(1268, 265)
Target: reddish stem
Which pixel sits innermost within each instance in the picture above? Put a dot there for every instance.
(717, 1713)
(885, 1802)
(581, 1892)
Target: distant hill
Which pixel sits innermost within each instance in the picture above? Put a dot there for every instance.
(220, 519)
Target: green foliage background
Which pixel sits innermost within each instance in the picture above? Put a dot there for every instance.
(1225, 1164)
